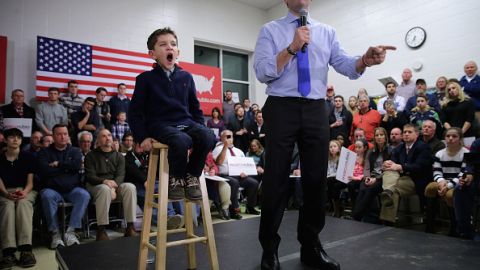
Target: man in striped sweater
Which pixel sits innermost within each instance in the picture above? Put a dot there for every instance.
(448, 168)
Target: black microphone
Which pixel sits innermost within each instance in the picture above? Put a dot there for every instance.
(303, 22)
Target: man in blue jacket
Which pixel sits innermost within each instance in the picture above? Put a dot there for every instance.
(59, 167)
(407, 172)
(471, 85)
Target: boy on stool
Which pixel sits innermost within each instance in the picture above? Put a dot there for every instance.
(165, 108)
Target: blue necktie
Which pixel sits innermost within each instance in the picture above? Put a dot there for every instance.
(303, 70)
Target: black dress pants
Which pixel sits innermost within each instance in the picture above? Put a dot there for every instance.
(289, 120)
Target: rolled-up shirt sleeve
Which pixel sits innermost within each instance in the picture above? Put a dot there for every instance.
(341, 61)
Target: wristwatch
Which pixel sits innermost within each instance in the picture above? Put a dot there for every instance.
(290, 51)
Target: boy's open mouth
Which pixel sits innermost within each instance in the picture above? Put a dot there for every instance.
(170, 57)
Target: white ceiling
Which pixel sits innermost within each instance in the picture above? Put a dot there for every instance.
(261, 4)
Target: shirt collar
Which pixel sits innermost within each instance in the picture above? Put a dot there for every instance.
(15, 106)
(290, 18)
(409, 145)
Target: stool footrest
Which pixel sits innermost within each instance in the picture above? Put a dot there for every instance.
(150, 246)
(154, 234)
(195, 239)
(156, 205)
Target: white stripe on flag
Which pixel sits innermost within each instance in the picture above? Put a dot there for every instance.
(115, 72)
(84, 78)
(148, 61)
(119, 64)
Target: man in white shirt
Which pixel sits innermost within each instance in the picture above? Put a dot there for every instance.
(398, 100)
(221, 154)
(406, 89)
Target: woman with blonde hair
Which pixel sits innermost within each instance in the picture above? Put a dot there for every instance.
(352, 104)
(458, 109)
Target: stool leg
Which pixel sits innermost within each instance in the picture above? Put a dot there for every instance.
(207, 225)
(147, 211)
(161, 254)
(192, 261)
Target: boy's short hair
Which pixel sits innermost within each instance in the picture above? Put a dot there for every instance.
(100, 89)
(415, 128)
(13, 132)
(58, 126)
(126, 135)
(71, 82)
(423, 96)
(121, 113)
(340, 97)
(152, 39)
(121, 84)
(53, 89)
(90, 99)
(16, 90)
(390, 82)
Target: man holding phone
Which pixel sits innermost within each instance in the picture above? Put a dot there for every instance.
(222, 152)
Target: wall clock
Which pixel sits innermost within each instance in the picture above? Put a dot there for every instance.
(415, 37)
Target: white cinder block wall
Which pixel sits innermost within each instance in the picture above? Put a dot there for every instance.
(121, 24)
(452, 36)
(452, 32)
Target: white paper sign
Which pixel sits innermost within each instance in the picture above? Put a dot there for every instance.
(24, 124)
(235, 97)
(238, 165)
(468, 141)
(216, 131)
(215, 178)
(346, 165)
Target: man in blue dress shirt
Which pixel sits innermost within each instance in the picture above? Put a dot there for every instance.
(295, 111)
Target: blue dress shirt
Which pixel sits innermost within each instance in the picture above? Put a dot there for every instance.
(323, 49)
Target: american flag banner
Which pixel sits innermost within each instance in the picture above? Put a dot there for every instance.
(59, 61)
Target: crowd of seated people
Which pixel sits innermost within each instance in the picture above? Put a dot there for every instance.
(398, 141)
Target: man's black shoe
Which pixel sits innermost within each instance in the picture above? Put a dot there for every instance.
(317, 258)
(224, 214)
(252, 211)
(235, 215)
(270, 261)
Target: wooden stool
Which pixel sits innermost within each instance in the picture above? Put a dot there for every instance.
(158, 155)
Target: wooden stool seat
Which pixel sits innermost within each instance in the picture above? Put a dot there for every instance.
(159, 162)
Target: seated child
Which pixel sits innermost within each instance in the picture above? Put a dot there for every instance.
(165, 108)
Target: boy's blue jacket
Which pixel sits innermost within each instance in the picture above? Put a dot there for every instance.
(159, 101)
